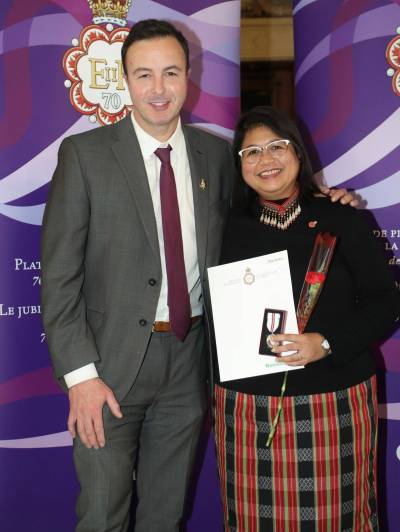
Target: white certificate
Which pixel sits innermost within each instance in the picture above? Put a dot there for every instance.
(250, 299)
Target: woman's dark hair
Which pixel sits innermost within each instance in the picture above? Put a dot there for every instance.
(153, 29)
(285, 128)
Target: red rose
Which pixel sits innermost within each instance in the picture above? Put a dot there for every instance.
(315, 277)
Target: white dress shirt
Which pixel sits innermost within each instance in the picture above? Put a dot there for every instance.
(180, 165)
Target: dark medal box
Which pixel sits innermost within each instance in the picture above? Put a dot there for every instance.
(274, 322)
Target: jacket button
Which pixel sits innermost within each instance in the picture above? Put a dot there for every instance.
(142, 322)
(152, 282)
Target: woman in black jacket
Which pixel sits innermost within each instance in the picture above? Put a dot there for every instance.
(319, 473)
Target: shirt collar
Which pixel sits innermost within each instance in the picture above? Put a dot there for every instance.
(149, 144)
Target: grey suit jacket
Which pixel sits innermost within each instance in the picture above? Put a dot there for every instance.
(100, 251)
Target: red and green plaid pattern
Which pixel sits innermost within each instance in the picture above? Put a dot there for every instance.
(319, 474)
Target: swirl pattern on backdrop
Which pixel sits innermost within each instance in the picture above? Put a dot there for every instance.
(350, 116)
(35, 116)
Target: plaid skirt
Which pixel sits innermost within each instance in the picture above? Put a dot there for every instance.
(318, 475)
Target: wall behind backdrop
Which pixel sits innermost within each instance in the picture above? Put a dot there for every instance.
(60, 73)
(347, 59)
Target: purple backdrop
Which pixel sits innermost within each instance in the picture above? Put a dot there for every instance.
(37, 483)
(346, 99)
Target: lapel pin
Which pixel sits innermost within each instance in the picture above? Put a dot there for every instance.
(203, 184)
(312, 224)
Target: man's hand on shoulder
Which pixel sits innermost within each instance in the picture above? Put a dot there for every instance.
(86, 401)
(340, 194)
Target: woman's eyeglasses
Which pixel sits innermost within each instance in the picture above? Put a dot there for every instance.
(275, 149)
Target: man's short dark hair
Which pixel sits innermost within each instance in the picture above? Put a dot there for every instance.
(153, 29)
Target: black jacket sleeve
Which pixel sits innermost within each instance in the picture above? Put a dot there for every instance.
(377, 305)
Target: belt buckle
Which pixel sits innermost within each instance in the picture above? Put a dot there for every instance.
(160, 327)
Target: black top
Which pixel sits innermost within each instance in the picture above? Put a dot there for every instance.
(358, 304)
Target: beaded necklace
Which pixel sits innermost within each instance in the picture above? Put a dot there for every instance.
(281, 215)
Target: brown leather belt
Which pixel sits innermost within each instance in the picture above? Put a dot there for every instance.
(165, 326)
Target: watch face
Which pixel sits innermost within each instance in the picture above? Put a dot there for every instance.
(325, 344)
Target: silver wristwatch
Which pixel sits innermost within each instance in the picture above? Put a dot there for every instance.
(325, 345)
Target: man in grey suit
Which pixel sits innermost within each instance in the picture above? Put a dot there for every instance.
(135, 387)
(134, 217)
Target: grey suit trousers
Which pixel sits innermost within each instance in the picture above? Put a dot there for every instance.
(157, 437)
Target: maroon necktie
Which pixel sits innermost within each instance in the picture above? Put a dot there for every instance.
(178, 295)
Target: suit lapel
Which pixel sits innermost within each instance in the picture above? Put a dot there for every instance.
(127, 151)
(199, 174)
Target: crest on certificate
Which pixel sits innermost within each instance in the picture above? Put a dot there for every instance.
(93, 65)
(248, 277)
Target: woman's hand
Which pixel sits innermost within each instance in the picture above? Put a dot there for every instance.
(340, 194)
(307, 346)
